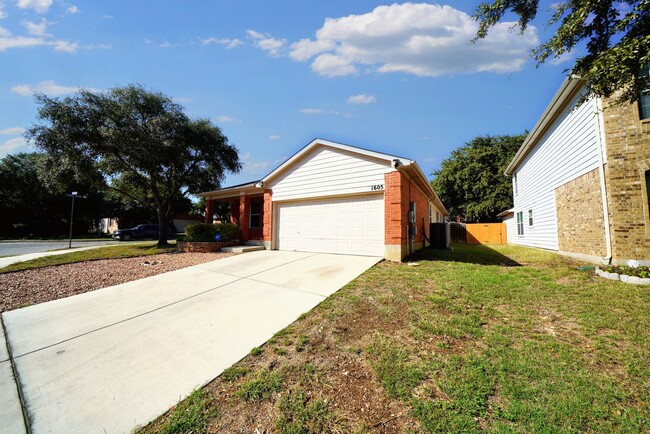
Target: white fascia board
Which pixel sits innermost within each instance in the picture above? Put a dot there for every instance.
(316, 142)
(567, 91)
(506, 212)
(231, 191)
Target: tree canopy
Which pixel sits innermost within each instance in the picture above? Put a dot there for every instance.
(616, 34)
(471, 182)
(32, 205)
(135, 142)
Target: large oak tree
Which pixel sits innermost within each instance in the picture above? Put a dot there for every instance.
(616, 35)
(135, 142)
(471, 183)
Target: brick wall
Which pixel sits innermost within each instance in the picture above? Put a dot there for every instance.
(627, 141)
(580, 218)
(399, 191)
(267, 217)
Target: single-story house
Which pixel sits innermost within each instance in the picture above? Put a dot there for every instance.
(581, 179)
(335, 198)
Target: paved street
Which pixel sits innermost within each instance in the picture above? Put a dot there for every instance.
(24, 247)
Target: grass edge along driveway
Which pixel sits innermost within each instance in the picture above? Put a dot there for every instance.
(107, 252)
(502, 339)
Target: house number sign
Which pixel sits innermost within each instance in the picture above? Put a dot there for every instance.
(377, 187)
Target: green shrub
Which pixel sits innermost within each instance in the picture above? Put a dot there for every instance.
(204, 233)
(228, 231)
(199, 232)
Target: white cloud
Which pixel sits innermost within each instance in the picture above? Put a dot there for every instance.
(226, 42)
(37, 29)
(416, 38)
(225, 119)
(361, 99)
(72, 9)
(253, 168)
(562, 58)
(12, 131)
(318, 111)
(40, 6)
(47, 87)
(272, 46)
(8, 41)
(274, 137)
(14, 145)
(3, 13)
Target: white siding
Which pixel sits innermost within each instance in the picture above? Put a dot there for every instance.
(511, 226)
(568, 150)
(329, 172)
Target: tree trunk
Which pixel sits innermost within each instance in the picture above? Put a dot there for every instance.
(162, 227)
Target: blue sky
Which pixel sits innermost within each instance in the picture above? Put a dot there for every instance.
(398, 78)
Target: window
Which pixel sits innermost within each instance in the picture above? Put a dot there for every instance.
(514, 181)
(520, 223)
(644, 98)
(530, 217)
(254, 221)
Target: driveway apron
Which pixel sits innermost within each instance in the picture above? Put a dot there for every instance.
(115, 358)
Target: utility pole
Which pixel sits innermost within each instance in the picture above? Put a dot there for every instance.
(72, 195)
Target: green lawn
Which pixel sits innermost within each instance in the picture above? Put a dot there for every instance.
(502, 339)
(108, 252)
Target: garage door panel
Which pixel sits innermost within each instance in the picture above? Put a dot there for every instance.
(351, 225)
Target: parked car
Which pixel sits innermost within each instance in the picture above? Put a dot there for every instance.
(140, 231)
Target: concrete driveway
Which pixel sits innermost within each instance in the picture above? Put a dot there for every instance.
(112, 359)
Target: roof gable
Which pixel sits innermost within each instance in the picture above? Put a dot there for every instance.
(316, 143)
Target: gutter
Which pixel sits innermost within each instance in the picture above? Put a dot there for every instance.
(603, 187)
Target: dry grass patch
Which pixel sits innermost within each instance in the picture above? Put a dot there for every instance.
(502, 339)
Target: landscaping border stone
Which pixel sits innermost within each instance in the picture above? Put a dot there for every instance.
(623, 277)
(203, 247)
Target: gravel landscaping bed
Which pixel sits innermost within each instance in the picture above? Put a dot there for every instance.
(24, 288)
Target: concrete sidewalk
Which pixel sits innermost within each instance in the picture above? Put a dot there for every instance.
(112, 359)
(11, 413)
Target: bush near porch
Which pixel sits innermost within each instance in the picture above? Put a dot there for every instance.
(205, 233)
(496, 339)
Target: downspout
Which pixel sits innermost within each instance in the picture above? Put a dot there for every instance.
(603, 187)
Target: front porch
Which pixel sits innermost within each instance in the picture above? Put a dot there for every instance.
(250, 209)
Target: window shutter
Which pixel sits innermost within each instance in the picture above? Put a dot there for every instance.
(644, 97)
(644, 105)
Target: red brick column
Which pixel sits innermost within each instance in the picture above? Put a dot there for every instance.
(267, 217)
(209, 211)
(244, 209)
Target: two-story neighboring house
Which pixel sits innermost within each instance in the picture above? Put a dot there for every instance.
(581, 179)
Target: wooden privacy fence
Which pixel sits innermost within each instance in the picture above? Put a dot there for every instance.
(479, 233)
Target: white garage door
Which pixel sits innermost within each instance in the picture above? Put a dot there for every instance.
(352, 226)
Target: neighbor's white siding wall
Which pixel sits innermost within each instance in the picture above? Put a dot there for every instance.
(329, 172)
(511, 226)
(568, 150)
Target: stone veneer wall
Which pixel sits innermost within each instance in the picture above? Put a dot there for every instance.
(627, 140)
(580, 217)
